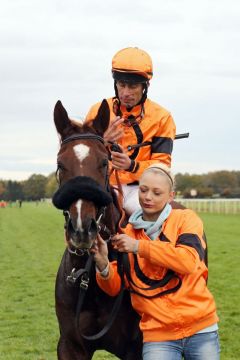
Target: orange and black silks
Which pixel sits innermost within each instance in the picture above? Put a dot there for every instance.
(152, 124)
(180, 247)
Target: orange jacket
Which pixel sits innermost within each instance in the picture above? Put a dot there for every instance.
(157, 126)
(180, 247)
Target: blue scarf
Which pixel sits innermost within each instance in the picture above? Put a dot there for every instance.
(151, 228)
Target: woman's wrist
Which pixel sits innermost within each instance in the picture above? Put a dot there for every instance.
(103, 269)
(135, 247)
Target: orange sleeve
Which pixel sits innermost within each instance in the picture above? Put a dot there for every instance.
(164, 139)
(92, 113)
(112, 283)
(166, 135)
(183, 254)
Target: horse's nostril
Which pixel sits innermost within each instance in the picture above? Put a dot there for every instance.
(93, 229)
(82, 238)
(70, 227)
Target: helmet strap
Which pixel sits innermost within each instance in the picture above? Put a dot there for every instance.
(144, 95)
(130, 119)
(116, 90)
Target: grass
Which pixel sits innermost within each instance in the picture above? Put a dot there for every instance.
(31, 246)
(223, 234)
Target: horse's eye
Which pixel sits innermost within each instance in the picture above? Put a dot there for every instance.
(105, 162)
(60, 166)
(60, 169)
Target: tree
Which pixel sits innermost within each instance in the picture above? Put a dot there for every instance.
(187, 182)
(51, 185)
(222, 182)
(34, 187)
(13, 191)
(2, 189)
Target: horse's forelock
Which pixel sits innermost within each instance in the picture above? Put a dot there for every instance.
(76, 128)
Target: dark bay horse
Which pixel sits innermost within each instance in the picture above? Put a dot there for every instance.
(84, 195)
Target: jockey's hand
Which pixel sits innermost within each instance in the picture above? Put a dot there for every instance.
(124, 243)
(100, 253)
(120, 160)
(114, 133)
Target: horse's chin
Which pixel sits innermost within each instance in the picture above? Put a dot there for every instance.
(82, 245)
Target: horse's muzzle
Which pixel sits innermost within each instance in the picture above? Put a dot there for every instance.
(82, 238)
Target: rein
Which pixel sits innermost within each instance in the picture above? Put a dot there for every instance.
(84, 275)
(146, 143)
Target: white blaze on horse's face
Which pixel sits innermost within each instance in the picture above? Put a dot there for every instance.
(79, 221)
(81, 151)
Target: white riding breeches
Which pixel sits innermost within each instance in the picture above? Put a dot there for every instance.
(130, 198)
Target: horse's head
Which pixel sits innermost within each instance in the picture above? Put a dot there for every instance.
(82, 170)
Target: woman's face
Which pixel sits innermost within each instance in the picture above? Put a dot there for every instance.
(154, 193)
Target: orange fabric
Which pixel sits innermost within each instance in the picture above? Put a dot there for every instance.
(191, 308)
(157, 122)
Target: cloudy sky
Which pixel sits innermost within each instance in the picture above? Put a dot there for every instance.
(59, 49)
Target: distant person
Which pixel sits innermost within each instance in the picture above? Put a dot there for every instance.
(3, 204)
(20, 203)
(178, 318)
(135, 120)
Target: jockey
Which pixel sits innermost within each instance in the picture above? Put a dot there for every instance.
(143, 129)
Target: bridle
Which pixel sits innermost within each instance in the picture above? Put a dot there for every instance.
(101, 211)
(101, 227)
(84, 273)
(86, 136)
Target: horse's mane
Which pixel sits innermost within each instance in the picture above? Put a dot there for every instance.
(115, 199)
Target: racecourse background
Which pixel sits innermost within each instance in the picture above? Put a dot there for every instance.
(31, 244)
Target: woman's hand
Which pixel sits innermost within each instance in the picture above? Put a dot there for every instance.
(100, 253)
(124, 243)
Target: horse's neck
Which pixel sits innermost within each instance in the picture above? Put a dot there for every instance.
(72, 261)
(68, 292)
(112, 218)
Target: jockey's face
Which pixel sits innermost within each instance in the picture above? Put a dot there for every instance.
(129, 93)
(154, 193)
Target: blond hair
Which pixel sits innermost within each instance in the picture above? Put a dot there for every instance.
(164, 170)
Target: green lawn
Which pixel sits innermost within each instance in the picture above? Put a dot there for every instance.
(31, 246)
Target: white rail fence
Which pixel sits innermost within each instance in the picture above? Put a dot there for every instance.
(223, 206)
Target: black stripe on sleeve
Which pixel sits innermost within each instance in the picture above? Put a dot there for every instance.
(163, 237)
(193, 241)
(162, 145)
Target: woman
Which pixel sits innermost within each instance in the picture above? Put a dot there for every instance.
(178, 319)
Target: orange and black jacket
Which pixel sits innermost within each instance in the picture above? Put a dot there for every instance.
(180, 247)
(155, 126)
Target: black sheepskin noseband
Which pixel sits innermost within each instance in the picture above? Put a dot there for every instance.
(80, 187)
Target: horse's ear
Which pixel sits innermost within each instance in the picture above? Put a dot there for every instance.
(101, 121)
(61, 118)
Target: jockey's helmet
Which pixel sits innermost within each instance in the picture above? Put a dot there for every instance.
(132, 65)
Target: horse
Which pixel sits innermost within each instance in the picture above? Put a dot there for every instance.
(89, 205)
